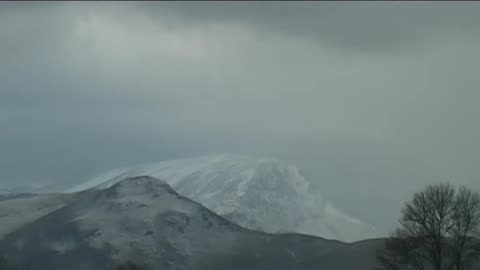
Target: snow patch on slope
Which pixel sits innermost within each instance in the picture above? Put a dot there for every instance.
(258, 193)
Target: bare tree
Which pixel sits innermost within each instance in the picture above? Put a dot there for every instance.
(401, 250)
(464, 245)
(428, 218)
(438, 228)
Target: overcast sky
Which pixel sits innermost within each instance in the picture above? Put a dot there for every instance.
(371, 100)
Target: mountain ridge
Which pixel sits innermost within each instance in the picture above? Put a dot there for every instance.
(258, 193)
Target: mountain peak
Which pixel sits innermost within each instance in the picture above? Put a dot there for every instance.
(142, 184)
(258, 193)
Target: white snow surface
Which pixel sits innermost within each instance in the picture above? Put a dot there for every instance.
(258, 193)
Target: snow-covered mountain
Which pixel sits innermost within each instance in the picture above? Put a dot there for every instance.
(144, 220)
(257, 193)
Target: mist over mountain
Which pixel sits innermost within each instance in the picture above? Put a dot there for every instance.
(258, 193)
(363, 97)
(333, 116)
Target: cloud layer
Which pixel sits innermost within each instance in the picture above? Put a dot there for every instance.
(371, 100)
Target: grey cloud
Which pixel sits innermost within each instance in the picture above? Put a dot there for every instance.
(367, 26)
(370, 100)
